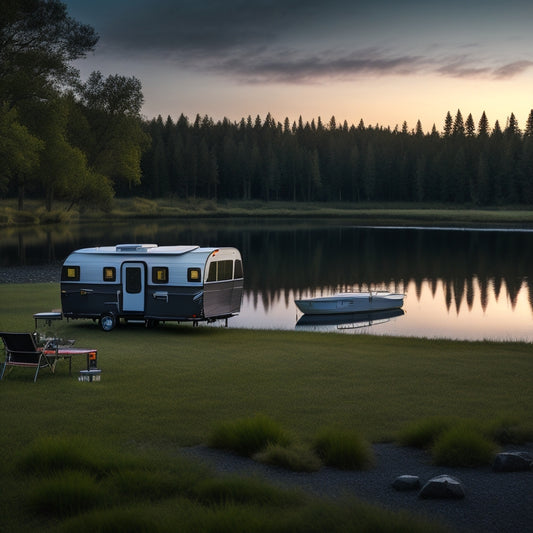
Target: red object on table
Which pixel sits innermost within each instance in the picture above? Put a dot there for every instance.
(68, 352)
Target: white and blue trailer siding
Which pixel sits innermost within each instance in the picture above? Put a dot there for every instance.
(152, 283)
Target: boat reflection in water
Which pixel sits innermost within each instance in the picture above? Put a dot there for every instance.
(346, 321)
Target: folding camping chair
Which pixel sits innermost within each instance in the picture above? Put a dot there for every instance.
(21, 350)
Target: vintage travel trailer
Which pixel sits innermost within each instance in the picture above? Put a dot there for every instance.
(151, 283)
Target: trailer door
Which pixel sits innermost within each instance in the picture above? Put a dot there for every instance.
(133, 283)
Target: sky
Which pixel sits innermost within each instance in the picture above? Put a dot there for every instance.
(380, 61)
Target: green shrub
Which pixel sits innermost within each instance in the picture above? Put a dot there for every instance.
(234, 489)
(68, 493)
(248, 435)
(293, 457)
(7, 217)
(462, 445)
(343, 449)
(152, 480)
(144, 206)
(349, 514)
(116, 520)
(53, 217)
(146, 485)
(49, 455)
(423, 433)
(509, 430)
(25, 218)
(210, 205)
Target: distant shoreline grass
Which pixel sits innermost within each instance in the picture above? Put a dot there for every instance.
(360, 213)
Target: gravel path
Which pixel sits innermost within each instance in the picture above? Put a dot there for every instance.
(494, 502)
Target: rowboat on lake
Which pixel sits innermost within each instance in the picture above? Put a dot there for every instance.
(346, 321)
(350, 302)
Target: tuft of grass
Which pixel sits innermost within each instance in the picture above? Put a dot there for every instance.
(295, 457)
(423, 433)
(162, 494)
(509, 430)
(51, 454)
(235, 489)
(151, 479)
(147, 485)
(348, 514)
(463, 445)
(343, 449)
(66, 494)
(248, 436)
(115, 520)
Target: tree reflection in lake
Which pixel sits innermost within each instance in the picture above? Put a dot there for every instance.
(450, 276)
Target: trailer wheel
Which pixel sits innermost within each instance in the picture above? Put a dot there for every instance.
(108, 321)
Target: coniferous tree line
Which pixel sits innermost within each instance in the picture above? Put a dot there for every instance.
(466, 163)
(83, 142)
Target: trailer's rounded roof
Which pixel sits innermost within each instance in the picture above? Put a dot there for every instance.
(139, 249)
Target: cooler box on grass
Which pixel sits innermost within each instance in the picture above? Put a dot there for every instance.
(90, 375)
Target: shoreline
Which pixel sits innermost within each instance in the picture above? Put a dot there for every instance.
(50, 273)
(366, 214)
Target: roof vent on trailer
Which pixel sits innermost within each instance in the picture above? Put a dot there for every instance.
(134, 247)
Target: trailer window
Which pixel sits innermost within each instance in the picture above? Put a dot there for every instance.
(225, 270)
(220, 270)
(212, 275)
(238, 269)
(133, 280)
(110, 274)
(194, 274)
(160, 275)
(70, 273)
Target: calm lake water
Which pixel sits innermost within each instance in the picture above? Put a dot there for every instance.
(460, 284)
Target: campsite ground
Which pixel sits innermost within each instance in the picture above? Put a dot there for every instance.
(167, 388)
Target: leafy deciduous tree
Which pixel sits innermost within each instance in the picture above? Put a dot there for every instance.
(117, 138)
(38, 40)
(19, 151)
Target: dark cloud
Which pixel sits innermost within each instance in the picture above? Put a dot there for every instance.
(467, 67)
(291, 41)
(512, 69)
(462, 68)
(291, 66)
(295, 67)
(212, 25)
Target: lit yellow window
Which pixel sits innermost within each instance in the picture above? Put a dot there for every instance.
(194, 274)
(110, 274)
(159, 275)
(70, 273)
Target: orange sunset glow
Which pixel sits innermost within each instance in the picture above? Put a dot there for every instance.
(382, 62)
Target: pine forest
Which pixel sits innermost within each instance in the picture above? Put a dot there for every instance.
(466, 163)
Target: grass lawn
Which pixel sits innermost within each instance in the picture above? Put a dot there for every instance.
(168, 387)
